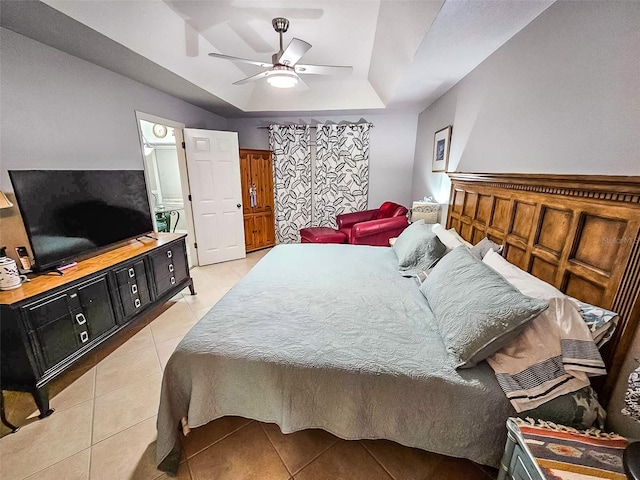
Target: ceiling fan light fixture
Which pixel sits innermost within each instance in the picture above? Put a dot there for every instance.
(283, 79)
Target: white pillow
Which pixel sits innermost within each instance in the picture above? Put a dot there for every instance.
(459, 237)
(523, 281)
(446, 237)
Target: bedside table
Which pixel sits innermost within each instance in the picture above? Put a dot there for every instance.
(552, 451)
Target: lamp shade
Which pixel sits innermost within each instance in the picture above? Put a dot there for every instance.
(4, 201)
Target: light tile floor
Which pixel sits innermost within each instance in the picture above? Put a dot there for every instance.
(104, 423)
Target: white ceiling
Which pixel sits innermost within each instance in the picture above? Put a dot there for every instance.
(405, 54)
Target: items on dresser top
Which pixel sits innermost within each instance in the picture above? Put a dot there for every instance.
(10, 277)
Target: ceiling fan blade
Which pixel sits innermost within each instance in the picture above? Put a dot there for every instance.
(294, 52)
(302, 85)
(253, 78)
(241, 60)
(323, 69)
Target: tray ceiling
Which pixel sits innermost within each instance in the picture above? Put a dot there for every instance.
(405, 54)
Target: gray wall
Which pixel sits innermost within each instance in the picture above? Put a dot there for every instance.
(59, 111)
(392, 141)
(560, 97)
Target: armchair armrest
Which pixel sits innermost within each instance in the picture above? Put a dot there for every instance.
(378, 232)
(347, 220)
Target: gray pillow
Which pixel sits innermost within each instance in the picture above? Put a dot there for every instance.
(422, 275)
(480, 249)
(476, 310)
(417, 247)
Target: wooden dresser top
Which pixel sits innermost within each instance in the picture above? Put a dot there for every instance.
(42, 283)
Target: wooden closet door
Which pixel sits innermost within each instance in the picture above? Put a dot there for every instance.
(262, 177)
(249, 235)
(245, 180)
(256, 167)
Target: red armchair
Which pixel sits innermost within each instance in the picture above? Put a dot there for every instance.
(374, 227)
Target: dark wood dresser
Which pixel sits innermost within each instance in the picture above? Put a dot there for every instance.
(50, 322)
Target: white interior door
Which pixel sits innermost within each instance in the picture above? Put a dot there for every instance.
(213, 165)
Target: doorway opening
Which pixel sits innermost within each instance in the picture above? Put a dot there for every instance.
(166, 175)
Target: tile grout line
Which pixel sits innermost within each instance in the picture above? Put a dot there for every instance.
(264, 432)
(69, 456)
(376, 460)
(286, 467)
(316, 457)
(130, 383)
(127, 428)
(217, 441)
(59, 461)
(93, 416)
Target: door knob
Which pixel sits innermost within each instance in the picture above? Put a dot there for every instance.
(238, 205)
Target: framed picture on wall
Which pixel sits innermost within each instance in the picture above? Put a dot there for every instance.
(441, 143)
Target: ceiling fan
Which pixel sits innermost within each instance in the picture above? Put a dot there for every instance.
(284, 70)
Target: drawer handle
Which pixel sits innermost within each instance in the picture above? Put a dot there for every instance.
(132, 273)
(171, 267)
(134, 288)
(137, 303)
(173, 280)
(80, 318)
(84, 336)
(169, 254)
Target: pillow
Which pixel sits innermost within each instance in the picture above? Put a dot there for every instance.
(523, 281)
(446, 237)
(476, 310)
(453, 232)
(416, 248)
(579, 409)
(602, 323)
(480, 249)
(422, 275)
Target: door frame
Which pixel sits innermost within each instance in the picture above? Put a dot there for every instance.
(191, 153)
(184, 178)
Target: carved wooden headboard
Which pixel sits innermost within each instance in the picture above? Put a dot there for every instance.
(580, 233)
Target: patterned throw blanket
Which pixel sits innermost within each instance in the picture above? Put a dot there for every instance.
(553, 356)
(632, 397)
(564, 453)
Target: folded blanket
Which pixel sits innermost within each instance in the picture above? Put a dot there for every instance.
(554, 355)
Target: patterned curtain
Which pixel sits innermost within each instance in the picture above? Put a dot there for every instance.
(341, 180)
(291, 180)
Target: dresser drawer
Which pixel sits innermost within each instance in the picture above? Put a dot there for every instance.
(169, 267)
(48, 310)
(133, 288)
(58, 340)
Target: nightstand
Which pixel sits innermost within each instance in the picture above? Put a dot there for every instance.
(539, 452)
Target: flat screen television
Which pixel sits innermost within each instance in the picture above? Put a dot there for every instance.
(69, 213)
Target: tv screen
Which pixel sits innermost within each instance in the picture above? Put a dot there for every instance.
(71, 212)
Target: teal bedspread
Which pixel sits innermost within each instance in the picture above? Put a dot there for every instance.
(331, 337)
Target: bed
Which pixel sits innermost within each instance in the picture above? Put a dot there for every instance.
(332, 337)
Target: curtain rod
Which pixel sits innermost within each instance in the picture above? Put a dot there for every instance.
(301, 127)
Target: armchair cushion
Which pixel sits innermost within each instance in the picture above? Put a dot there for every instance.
(390, 209)
(377, 232)
(348, 220)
